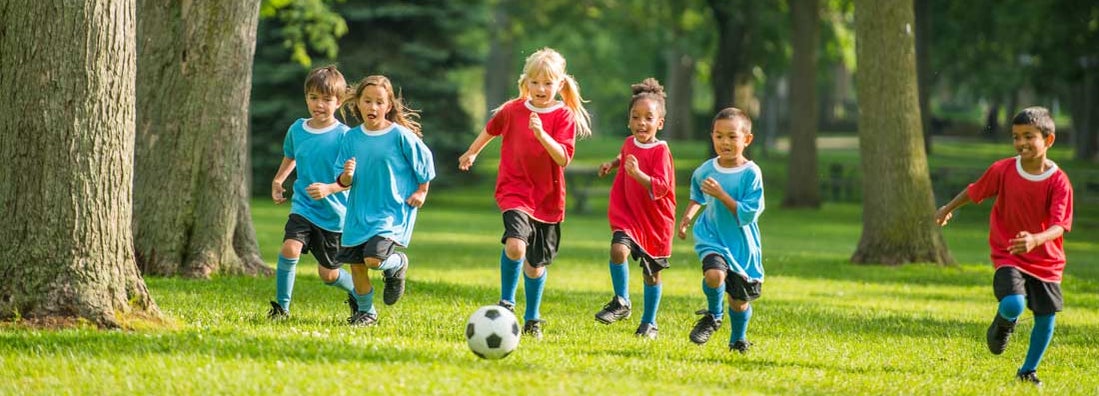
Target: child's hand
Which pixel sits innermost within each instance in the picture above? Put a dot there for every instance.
(536, 124)
(630, 165)
(466, 161)
(942, 216)
(277, 193)
(605, 168)
(1022, 243)
(683, 228)
(318, 190)
(417, 198)
(349, 167)
(712, 188)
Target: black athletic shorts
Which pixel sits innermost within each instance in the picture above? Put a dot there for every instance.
(649, 264)
(542, 238)
(735, 285)
(323, 244)
(1043, 298)
(378, 247)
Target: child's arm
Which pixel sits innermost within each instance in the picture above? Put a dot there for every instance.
(277, 190)
(552, 147)
(943, 215)
(712, 188)
(1025, 241)
(605, 168)
(343, 182)
(467, 159)
(635, 172)
(419, 196)
(688, 215)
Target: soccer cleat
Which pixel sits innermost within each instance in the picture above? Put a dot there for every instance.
(646, 330)
(510, 306)
(617, 309)
(705, 327)
(533, 328)
(741, 346)
(394, 281)
(352, 303)
(277, 312)
(998, 334)
(1029, 376)
(362, 319)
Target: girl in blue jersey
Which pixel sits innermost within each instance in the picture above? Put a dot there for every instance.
(728, 190)
(388, 168)
(314, 226)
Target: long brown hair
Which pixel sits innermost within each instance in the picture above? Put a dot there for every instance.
(398, 113)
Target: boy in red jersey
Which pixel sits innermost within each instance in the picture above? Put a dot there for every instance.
(1033, 210)
(642, 207)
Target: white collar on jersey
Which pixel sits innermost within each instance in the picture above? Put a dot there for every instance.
(1044, 175)
(735, 169)
(383, 131)
(542, 110)
(317, 131)
(654, 143)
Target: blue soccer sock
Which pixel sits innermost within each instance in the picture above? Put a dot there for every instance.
(533, 288)
(738, 321)
(509, 276)
(365, 301)
(1011, 306)
(620, 279)
(391, 262)
(714, 300)
(284, 281)
(1039, 341)
(652, 303)
(343, 281)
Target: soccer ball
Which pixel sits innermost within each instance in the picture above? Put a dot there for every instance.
(492, 332)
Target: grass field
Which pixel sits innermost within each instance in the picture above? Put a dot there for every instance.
(823, 326)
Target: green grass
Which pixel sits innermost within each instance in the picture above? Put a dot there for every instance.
(823, 326)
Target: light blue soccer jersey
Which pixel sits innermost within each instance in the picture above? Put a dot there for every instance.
(313, 151)
(734, 236)
(390, 165)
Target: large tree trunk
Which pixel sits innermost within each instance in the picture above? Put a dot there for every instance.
(803, 183)
(499, 71)
(1084, 107)
(192, 124)
(731, 58)
(679, 123)
(898, 206)
(67, 116)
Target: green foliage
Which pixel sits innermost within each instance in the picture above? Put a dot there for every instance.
(306, 25)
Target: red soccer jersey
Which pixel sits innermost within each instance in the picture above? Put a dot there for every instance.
(646, 215)
(528, 180)
(1026, 202)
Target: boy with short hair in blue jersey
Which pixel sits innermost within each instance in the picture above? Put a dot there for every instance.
(314, 226)
(728, 190)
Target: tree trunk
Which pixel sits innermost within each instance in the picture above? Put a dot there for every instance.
(730, 60)
(499, 71)
(679, 123)
(192, 124)
(67, 116)
(898, 205)
(803, 183)
(1084, 107)
(923, 67)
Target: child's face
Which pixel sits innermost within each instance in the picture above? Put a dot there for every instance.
(321, 106)
(645, 120)
(373, 105)
(730, 140)
(1029, 142)
(543, 90)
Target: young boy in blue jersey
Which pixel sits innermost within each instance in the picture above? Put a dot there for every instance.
(311, 144)
(388, 168)
(728, 190)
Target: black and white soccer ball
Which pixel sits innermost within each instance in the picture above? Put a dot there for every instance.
(492, 332)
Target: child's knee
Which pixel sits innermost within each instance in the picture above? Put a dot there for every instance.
(515, 249)
(328, 275)
(532, 271)
(619, 253)
(714, 277)
(291, 249)
(738, 305)
(652, 280)
(373, 262)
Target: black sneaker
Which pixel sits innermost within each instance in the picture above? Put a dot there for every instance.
(1029, 376)
(741, 346)
(646, 330)
(352, 303)
(362, 319)
(533, 328)
(394, 281)
(998, 334)
(705, 327)
(277, 312)
(510, 306)
(617, 309)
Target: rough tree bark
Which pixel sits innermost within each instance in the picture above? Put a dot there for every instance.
(803, 182)
(898, 205)
(67, 116)
(191, 213)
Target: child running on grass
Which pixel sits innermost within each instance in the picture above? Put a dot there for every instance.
(539, 134)
(314, 226)
(730, 187)
(1033, 210)
(642, 207)
(388, 169)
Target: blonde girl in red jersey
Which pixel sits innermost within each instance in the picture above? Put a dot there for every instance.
(539, 134)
